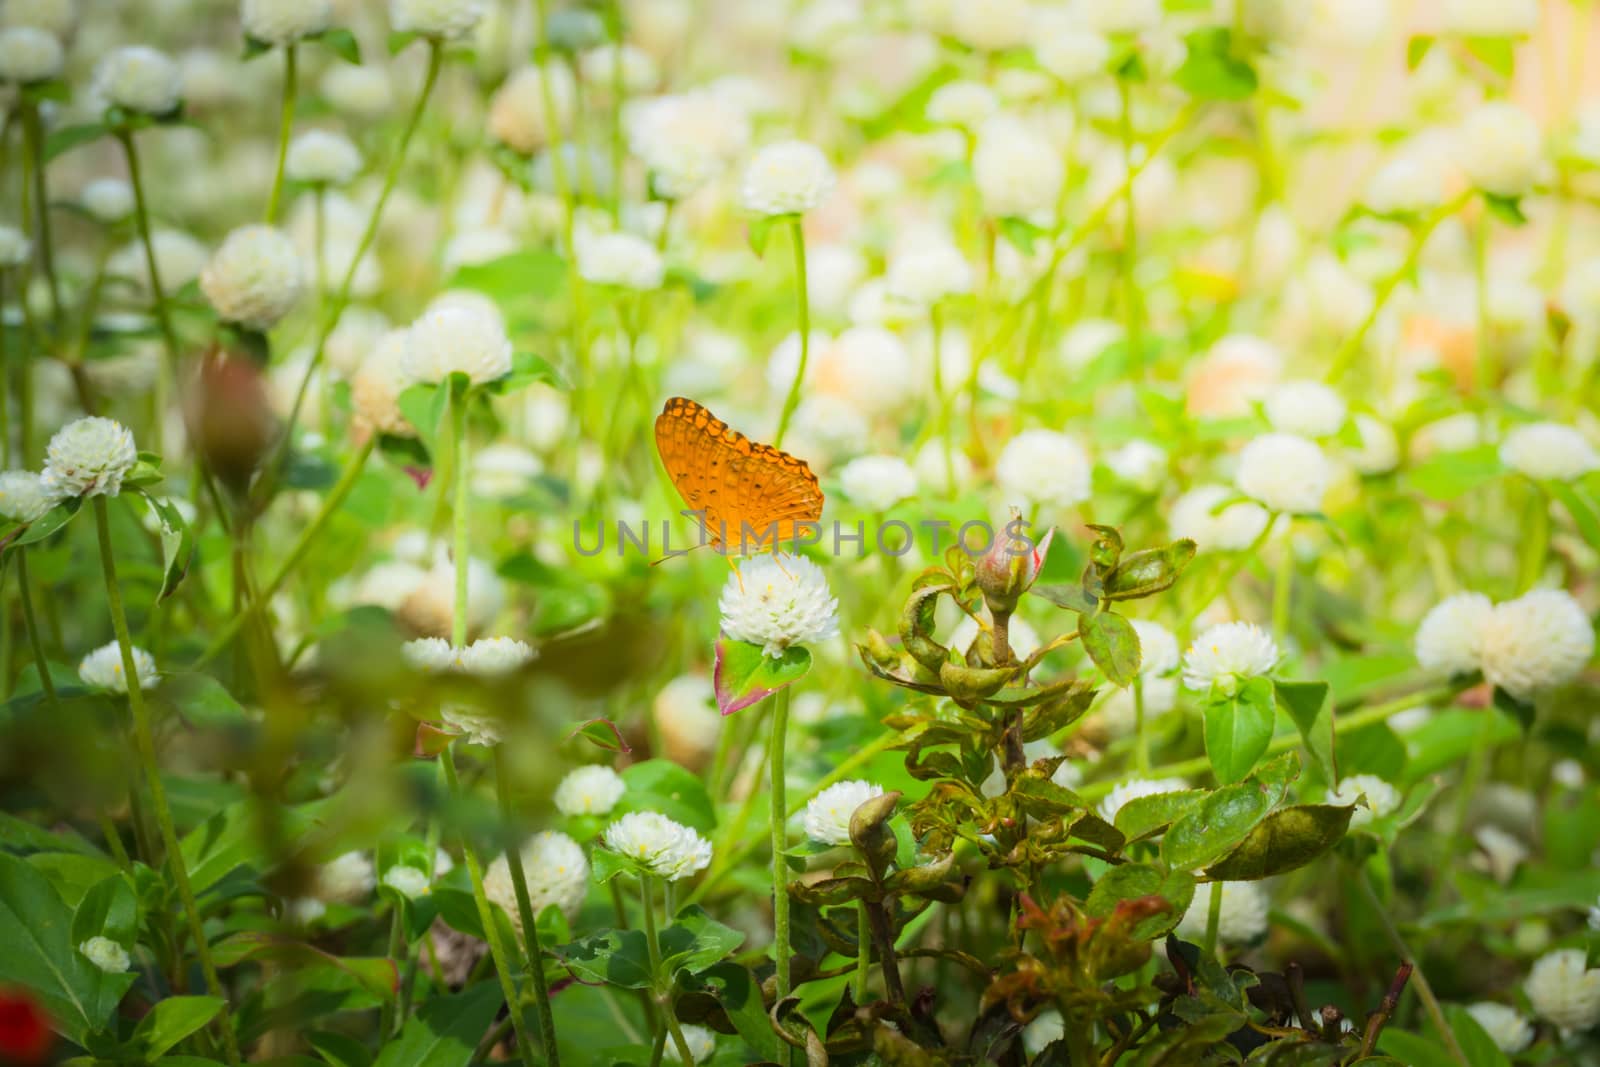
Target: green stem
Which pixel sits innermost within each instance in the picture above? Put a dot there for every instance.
(29, 623)
(1141, 741)
(1130, 236)
(652, 941)
(145, 741)
(530, 921)
(1283, 582)
(33, 135)
(397, 951)
(458, 471)
(803, 306)
(1213, 919)
(779, 828)
(863, 952)
(168, 371)
(285, 128)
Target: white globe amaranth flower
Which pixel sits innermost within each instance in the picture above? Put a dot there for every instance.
(1140, 463)
(827, 816)
(665, 848)
(364, 91)
(778, 601)
(1307, 408)
(492, 657)
(557, 873)
(593, 789)
(1382, 798)
(1539, 641)
(1506, 1026)
(57, 16)
(685, 139)
(346, 879)
(106, 954)
(1242, 919)
(962, 103)
(1017, 170)
(702, 1042)
(878, 483)
(24, 496)
(1563, 990)
(1490, 18)
(444, 19)
(139, 78)
(255, 278)
(1228, 654)
(620, 259)
(1500, 146)
(102, 669)
(991, 25)
(1548, 450)
(1067, 48)
(474, 727)
(1285, 472)
(410, 882)
(453, 338)
(322, 157)
(431, 655)
(1380, 447)
(1410, 183)
(1158, 648)
(928, 270)
(376, 386)
(89, 457)
(29, 54)
(1044, 467)
(108, 199)
(597, 66)
(284, 21)
(15, 248)
(1450, 636)
(1135, 788)
(786, 178)
(517, 115)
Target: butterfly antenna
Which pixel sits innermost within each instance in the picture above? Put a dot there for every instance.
(675, 555)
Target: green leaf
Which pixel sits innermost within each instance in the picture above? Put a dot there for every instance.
(673, 790)
(400, 39)
(696, 941)
(1072, 596)
(1148, 571)
(1143, 817)
(378, 975)
(61, 141)
(745, 675)
(177, 545)
(1507, 209)
(1308, 705)
(1413, 1050)
(1212, 71)
(49, 522)
(445, 1031)
(527, 368)
(760, 232)
(1131, 881)
(605, 865)
(108, 909)
(343, 43)
(1288, 838)
(1499, 54)
(603, 734)
(1474, 1040)
(1020, 233)
(734, 990)
(1223, 819)
(517, 277)
(339, 1050)
(615, 957)
(203, 701)
(1584, 514)
(1113, 644)
(1449, 475)
(1417, 49)
(1239, 729)
(172, 1020)
(254, 47)
(1449, 736)
(424, 407)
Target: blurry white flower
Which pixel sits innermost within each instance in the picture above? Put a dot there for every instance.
(376, 386)
(1017, 170)
(106, 954)
(345, 879)
(1563, 990)
(1451, 635)
(255, 278)
(1139, 463)
(556, 871)
(778, 601)
(639, 70)
(1046, 1029)
(1236, 370)
(620, 259)
(1158, 648)
(1505, 1025)
(452, 338)
(593, 789)
(504, 470)
(475, 727)
(1308, 408)
(15, 248)
(1409, 183)
(1126, 16)
(436, 18)
(1243, 916)
(359, 91)
(431, 655)
(686, 710)
(827, 816)
(702, 1042)
(665, 848)
(1135, 788)
(962, 103)
(89, 457)
(410, 882)
(1490, 18)
(24, 496)
(491, 657)
(517, 115)
(139, 78)
(1539, 641)
(56, 16)
(179, 260)
(1227, 654)
(990, 25)
(1380, 446)
(1382, 798)
(108, 199)
(1043, 467)
(877, 483)
(1070, 51)
(685, 139)
(928, 270)
(322, 157)
(786, 178)
(102, 669)
(284, 21)
(1499, 146)
(1548, 450)
(1285, 472)
(28, 54)
(867, 367)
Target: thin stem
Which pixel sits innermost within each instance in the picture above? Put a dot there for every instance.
(458, 471)
(145, 741)
(530, 921)
(33, 135)
(1130, 234)
(285, 128)
(778, 826)
(863, 952)
(1141, 740)
(31, 625)
(1283, 581)
(387, 1023)
(802, 288)
(652, 942)
(167, 373)
(1213, 919)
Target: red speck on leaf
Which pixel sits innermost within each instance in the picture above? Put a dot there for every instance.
(421, 475)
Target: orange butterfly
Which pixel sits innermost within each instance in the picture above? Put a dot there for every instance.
(748, 496)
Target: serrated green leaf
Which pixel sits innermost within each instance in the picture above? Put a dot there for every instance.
(1239, 729)
(1308, 705)
(744, 675)
(1285, 840)
(1113, 644)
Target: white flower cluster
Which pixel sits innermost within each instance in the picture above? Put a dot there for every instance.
(139, 78)
(620, 259)
(518, 117)
(878, 483)
(28, 55)
(786, 178)
(24, 496)
(1541, 640)
(1382, 798)
(1564, 990)
(15, 247)
(256, 277)
(1549, 450)
(557, 873)
(106, 954)
(487, 657)
(1044, 467)
(284, 21)
(593, 789)
(1242, 919)
(686, 139)
(89, 457)
(665, 848)
(322, 157)
(102, 669)
(777, 602)
(454, 337)
(1227, 655)
(1287, 472)
(444, 19)
(827, 816)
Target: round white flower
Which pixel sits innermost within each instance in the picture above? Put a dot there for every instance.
(15, 248)
(517, 115)
(436, 18)
(877, 483)
(827, 816)
(557, 873)
(620, 259)
(702, 1042)
(108, 199)
(927, 271)
(475, 727)
(490, 657)
(1450, 636)
(410, 882)
(593, 789)
(1563, 990)
(1043, 467)
(1241, 920)
(56, 16)
(363, 92)
(1308, 408)
(255, 278)
(1382, 798)
(1499, 146)
(777, 601)
(1227, 654)
(139, 78)
(431, 655)
(598, 67)
(1141, 464)
(24, 496)
(88, 457)
(1541, 640)
(665, 848)
(1548, 450)
(504, 470)
(1127, 16)
(786, 178)
(452, 338)
(1069, 51)
(376, 386)
(322, 157)
(1490, 18)
(102, 669)
(1284, 471)
(179, 260)
(1158, 648)
(106, 954)
(686, 710)
(685, 139)
(1135, 788)
(1505, 1025)
(345, 879)
(28, 54)
(1410, 183)
(284, 21)
(1018, 171)
(1380, 446)
(962, 103)
(991, 25)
